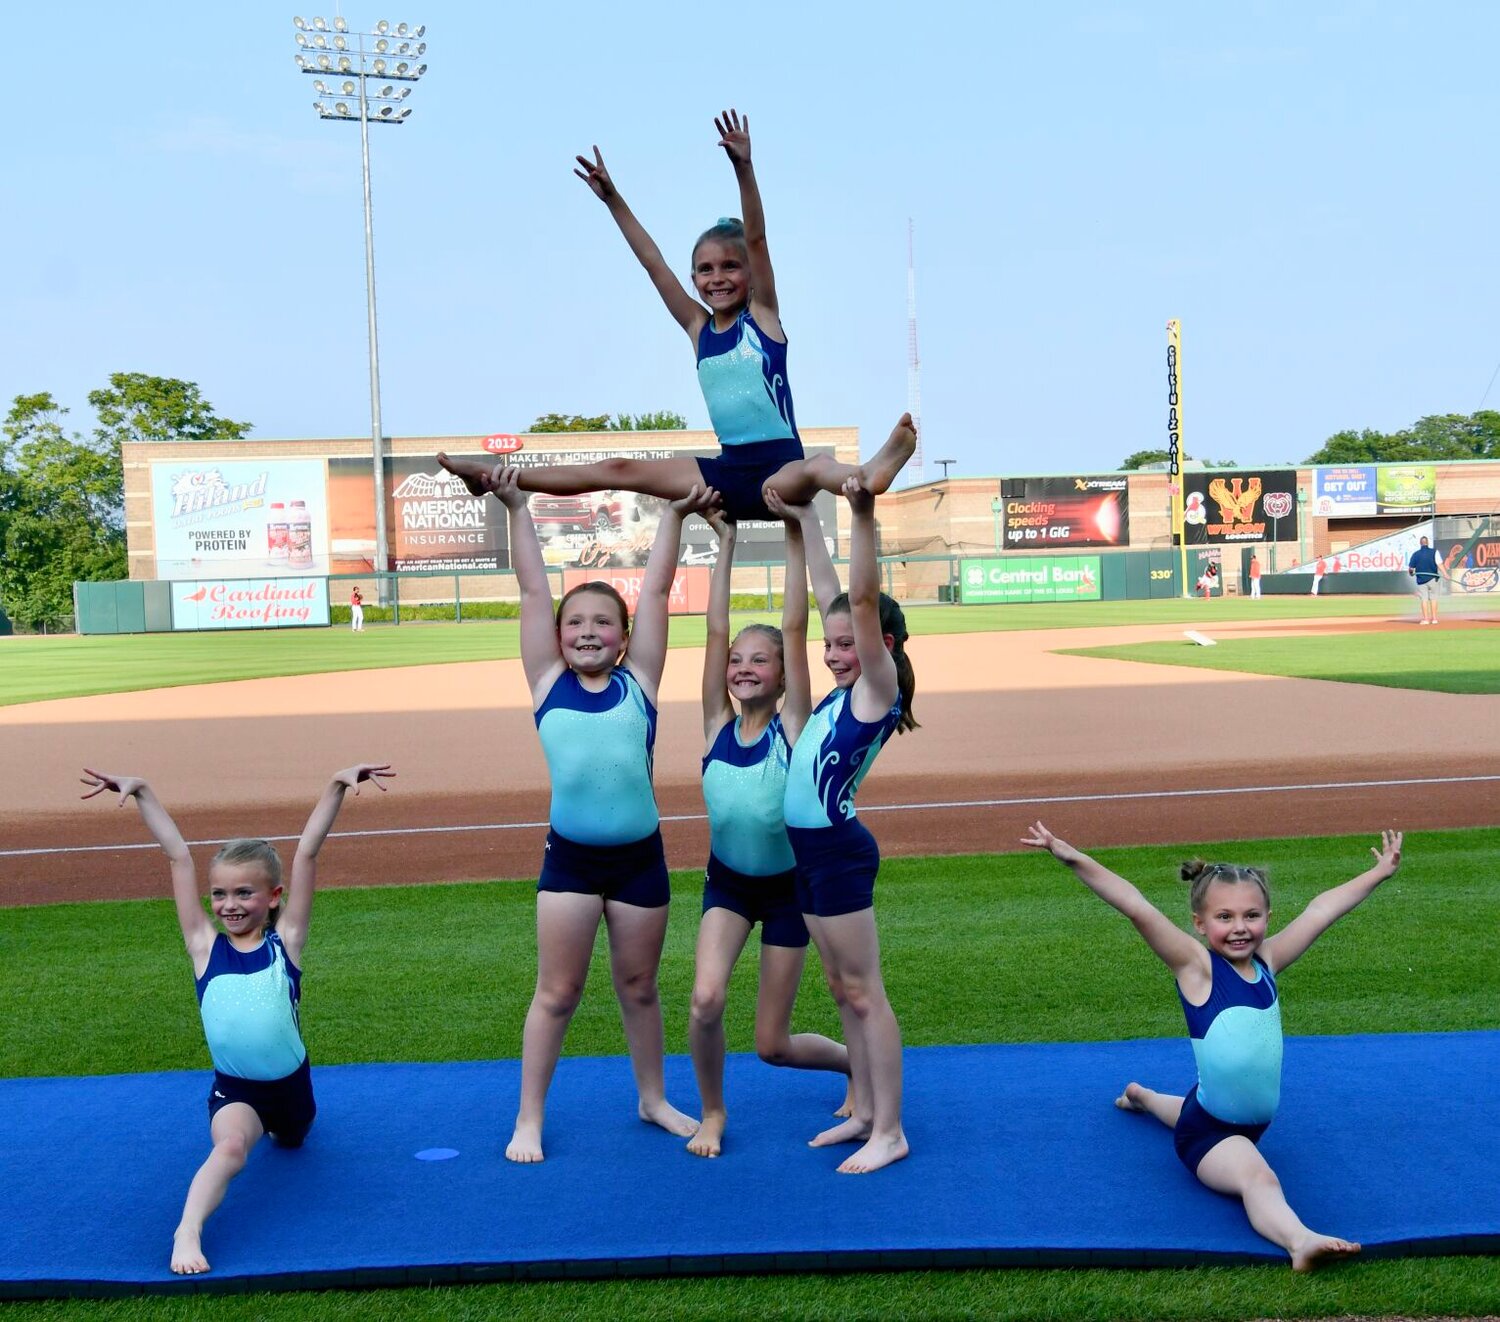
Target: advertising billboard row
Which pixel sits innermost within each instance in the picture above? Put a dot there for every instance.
(247, 518)
(1363, 490)
(1046, 512)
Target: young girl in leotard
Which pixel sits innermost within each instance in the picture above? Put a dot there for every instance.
(741, 353)
(249, 979)
(596, 718)
(1227, 985)
(864, 647)
(751, 875)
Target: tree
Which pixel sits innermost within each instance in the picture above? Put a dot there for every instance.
(662, 420)
(137, 407)
(1440, 436)
(61, 512)
(1152, 458)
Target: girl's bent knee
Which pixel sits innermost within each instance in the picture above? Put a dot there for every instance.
(708, 1004)
(773, 1048)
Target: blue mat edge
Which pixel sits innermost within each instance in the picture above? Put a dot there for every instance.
(838, 1261)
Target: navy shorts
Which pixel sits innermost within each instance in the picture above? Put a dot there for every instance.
(1198, 1131)
(633, 873)
(836, 867)
(285, 1106)
(740, 471)
(770, 901)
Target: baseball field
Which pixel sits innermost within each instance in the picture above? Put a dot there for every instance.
(1308, 729)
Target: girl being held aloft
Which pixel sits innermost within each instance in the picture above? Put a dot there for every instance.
(864, 647)
(249, 978)
(741, 354)
(1227, 985)
(596, 719)
(751, 873)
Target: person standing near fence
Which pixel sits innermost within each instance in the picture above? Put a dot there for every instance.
(356, 610)
(1254, 578)
(1423, 567)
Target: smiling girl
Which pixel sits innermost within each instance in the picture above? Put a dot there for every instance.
(596, 719)
(249, 978)
(1227, 985)
(741, 354)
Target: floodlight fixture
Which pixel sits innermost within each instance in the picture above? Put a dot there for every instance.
(321, 24)
(300, 23)
(340, 25)
(325, 62)
(382, 27)
(340, 43)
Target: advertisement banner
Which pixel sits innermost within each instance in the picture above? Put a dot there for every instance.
(435, 524)
(1406, 488)
(688, 594)
(1469, 553)
(1034, 578)
(1240, 505)
(232, 518)
(1344, 492)
(1043, 512)
(250, 603)
(1388, 554)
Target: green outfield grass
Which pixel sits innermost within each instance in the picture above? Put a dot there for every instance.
(1005, 948)
(38, 668)
(1442, 660)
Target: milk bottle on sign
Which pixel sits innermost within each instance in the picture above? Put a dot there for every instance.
(277, 533)
(299, 537)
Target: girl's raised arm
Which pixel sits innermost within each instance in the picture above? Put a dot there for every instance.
(648, 633)
(718, 711)
(820, 570)
(1291, 943)
(541, 657)
(296, 907)
(734, 137)
(686, 311)
(1174, 947)
(797, 704)
(877, 686)
(197, 927)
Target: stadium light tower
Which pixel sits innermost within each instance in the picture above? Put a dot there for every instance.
(356, 77)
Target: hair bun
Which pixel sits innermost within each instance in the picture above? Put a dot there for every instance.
(1193, 869)
(729, 220)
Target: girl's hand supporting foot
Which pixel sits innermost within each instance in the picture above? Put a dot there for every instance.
(127, 787)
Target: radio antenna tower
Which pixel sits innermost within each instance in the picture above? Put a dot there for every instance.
(913, 361)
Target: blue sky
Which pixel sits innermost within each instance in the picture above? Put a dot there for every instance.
(1310, 187)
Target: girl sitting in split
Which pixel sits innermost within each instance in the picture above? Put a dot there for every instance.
(741, 353)
(1227, 985)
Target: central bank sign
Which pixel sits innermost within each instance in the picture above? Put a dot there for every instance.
(1029, 578)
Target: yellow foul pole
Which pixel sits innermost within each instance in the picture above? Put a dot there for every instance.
(1176, 455)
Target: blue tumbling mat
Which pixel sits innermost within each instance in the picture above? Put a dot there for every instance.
(1018, 1158)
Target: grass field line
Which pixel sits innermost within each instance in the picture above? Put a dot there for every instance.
(871, 808)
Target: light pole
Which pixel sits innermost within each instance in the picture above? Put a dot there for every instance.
(389, 55)
(947, 464)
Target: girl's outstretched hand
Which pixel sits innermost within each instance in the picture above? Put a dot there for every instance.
(699, 500)
(721, 523)
(734, 136)
(503, 484)
(597, 177)
(1039, 837)
(1389, 853)
(374, 772)
(125, 786)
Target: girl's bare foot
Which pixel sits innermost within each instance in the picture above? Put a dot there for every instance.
(710, 1136)
(1316, 1250)
(1132, 1099)
(877, 475)
(876, 1153)
(525, 1144)
(666, 1115)
(474, 474)
(187, 1252)
(846, 1107)
(853, 1130)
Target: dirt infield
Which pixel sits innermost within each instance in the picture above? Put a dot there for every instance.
(1109, 752)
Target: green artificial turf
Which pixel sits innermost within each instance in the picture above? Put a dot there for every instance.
(33, 669)
(1441, 660)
